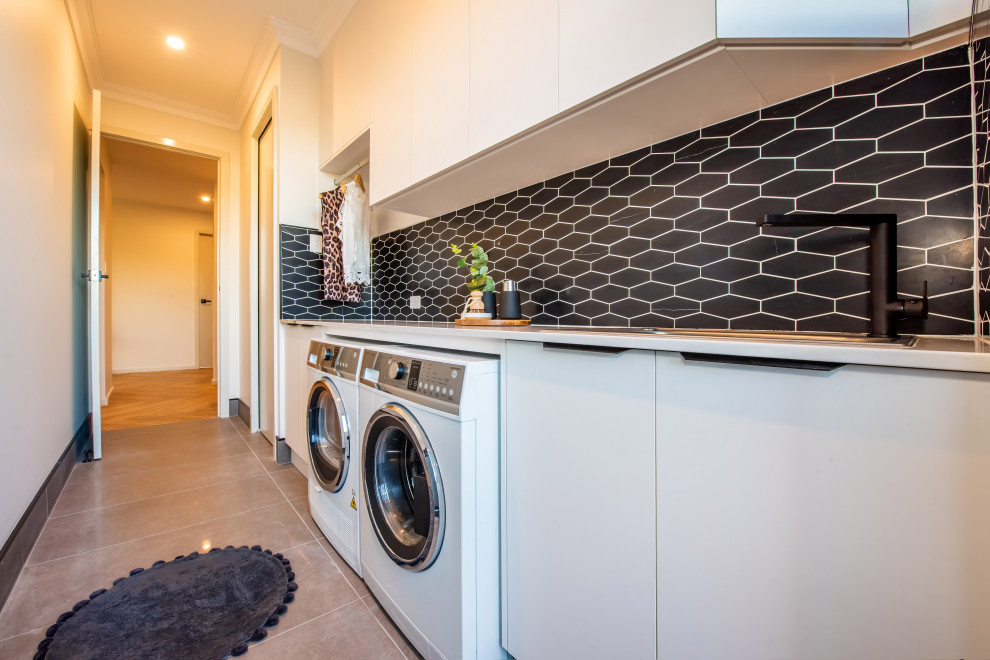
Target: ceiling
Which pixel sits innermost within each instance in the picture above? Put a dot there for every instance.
(157, 175)
(229, 45)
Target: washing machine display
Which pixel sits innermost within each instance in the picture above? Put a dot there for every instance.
(329, 435)
(403, 488)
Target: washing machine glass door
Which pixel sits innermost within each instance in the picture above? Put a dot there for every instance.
(402, 487)
(329, 435)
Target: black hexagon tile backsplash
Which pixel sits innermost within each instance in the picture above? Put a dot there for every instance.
(666, 235)
(302, 280)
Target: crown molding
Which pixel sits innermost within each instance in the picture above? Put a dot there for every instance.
(329, 21)
(264, 52)
(84, 29)
(294, 37)
(170, 106)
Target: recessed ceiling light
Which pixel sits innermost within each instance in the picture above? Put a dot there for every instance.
(176, 43)
(168, 142)
(205, 198)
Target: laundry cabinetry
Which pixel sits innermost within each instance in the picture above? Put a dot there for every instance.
(821, 514)
(295, 345)
(602, 47)
(579, 494)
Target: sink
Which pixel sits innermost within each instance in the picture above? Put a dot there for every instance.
(905, 341)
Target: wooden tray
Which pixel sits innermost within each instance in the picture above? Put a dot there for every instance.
(491, 322)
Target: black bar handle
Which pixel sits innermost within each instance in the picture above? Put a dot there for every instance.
(777, 363)
(203, 301)
(608, 350)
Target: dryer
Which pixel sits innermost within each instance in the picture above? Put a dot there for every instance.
(430, 520)
(334, 442)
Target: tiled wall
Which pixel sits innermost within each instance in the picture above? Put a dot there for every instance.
(981, 93)
(665, 235)
(302, 276)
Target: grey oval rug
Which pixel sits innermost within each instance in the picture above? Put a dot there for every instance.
(197, 606)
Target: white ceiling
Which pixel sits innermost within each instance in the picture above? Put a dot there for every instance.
(229, 45)
(156, 175)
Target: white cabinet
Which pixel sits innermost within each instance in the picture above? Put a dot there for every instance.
(351, 60)
(439, 104)
(579, 493)
(513, 68)
(391, 132)
(925, 15)
(792, 19)
(822, 515)
(295, 345)
(603, 45)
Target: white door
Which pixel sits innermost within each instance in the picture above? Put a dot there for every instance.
(205, 288)
(95, 277)
(266, 276)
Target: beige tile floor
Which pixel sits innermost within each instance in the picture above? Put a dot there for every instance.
(167, 490)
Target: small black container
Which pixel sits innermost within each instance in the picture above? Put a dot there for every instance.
(488, 297)
(509, 301)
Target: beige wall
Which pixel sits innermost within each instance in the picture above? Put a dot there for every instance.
(154, 286)
(40, 404)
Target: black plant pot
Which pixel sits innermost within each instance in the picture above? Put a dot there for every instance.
(488, 297)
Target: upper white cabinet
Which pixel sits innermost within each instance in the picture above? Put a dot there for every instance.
(794, 19)
(439, 105)
(603, 45)
(351, 95)
(928, 15)
(513, 68)
(391, 135)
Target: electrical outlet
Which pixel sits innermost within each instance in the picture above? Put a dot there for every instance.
(415, 302)
(316, 243)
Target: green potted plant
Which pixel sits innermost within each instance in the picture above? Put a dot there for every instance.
(479, 283)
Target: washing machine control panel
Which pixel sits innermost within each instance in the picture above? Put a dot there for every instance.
(434, 384)
(348, 361)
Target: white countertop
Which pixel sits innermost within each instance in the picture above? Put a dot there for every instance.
(930, 352)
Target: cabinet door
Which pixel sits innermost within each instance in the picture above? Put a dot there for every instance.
(351, 95)
(822, 515)
(439, 110)
(790, 19)
(391, 126)
(293, 366)
(579, 484)
(513, 68)
(925, 15)
(604, 45)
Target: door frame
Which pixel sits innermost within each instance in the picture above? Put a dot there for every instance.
(224, 241)
(268, 113)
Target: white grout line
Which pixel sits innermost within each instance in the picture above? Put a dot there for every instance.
(29, 632)
(161, 533)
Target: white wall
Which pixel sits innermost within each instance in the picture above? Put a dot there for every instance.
(42, 402)
(155, 300)
(120, 118)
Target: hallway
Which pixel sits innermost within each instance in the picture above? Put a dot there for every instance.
(162, 491)
(160, 397)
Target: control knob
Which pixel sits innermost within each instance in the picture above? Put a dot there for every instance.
(397, 371)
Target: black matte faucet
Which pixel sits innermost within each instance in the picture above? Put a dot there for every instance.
(885, 306)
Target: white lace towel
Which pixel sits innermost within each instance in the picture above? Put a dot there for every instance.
(355, 235)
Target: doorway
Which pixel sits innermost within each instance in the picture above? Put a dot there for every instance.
(161, 257)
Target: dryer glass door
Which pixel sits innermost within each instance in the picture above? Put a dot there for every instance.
(403, 490)
(329, 435)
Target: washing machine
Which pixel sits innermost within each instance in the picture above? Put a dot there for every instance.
(430, 520)
(334, 442)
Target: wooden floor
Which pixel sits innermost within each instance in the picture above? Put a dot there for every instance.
(160, 397)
